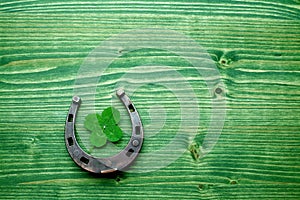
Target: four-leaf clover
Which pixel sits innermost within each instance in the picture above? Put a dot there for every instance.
(104, 127)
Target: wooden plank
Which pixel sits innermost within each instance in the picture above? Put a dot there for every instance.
(255, 45)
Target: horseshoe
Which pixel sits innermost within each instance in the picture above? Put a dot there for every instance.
(118, 162)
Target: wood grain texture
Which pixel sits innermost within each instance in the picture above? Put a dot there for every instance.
(256, 46)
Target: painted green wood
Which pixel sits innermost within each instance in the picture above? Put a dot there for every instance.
(256, 46)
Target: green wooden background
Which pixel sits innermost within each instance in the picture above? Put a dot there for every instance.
(255, 45)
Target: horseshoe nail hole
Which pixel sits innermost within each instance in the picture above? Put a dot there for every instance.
(137, 130)
(131, 108)
(70, 141)
(84, 160)
(70, 118)
(129, 152)
(218, 90)
(233, 182)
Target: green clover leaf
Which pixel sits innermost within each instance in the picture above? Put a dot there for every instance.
(104, 127)
(91, 122)
(97, 138)
(109, 120)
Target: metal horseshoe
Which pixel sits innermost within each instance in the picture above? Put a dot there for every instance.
(114, 163)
